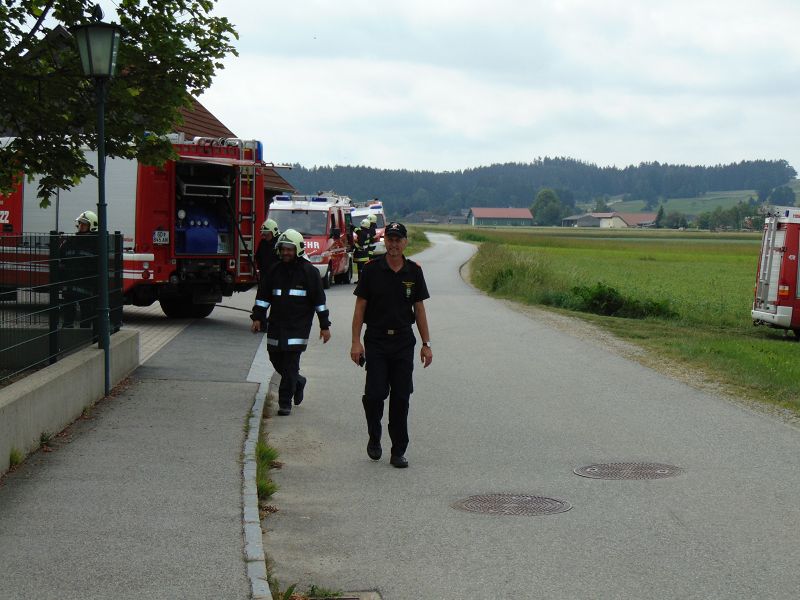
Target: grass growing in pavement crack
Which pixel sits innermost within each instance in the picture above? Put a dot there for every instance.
(14, 458)
(265, 457)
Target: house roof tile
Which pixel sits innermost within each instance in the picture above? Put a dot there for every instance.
(501, 213)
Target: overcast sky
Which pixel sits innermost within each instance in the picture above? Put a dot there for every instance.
(453, 84)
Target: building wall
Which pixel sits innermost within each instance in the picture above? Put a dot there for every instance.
(613, 223)
(483, 222)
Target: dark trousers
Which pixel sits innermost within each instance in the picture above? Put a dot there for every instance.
(287, 363)
(390, 364)
(79, 308)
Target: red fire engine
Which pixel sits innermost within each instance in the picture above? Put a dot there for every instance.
(188, 226)
(324, 221)
(777, 297)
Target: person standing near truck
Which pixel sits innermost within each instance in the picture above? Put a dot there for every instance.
(362, 246)
(266, 255)
(291, 292)
(78, 273)
(390, 298)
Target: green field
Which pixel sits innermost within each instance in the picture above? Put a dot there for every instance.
(691, 293)
(690, 206)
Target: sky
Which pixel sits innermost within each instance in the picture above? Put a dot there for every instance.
(448, 85)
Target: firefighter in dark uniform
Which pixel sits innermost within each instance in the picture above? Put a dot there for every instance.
(363, 244)
(373, 233)
(292, 292)
(78, 273)
(266, 255)
(389, 299)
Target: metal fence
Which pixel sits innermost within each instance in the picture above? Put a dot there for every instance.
(49, 297)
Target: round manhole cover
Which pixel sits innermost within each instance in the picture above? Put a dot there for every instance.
(512, 504)
(628, 471)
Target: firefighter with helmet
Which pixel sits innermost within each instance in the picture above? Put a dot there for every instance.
(266, 254)
(78, 273)
(288, 296)
(364, 243)
(373, 230)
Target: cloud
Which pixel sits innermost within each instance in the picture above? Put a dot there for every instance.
(460, 84)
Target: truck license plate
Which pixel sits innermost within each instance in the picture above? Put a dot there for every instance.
(161, 237)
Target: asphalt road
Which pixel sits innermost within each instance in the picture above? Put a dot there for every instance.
(143, 500)
(511, 405)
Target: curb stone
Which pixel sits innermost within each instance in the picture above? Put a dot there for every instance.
(251, 522)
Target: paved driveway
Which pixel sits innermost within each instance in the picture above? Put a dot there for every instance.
(512, 406)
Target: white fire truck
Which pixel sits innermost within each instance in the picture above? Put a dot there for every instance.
(777, 296)
(188, 226)
(324, 221)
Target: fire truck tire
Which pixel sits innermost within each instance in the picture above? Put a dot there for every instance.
(182, 309)
(327, 280)
(200, 311)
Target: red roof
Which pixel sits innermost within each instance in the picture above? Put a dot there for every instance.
(199, 122)
(638, 218)
(501, 213)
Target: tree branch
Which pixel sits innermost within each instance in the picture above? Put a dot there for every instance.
(32, 32)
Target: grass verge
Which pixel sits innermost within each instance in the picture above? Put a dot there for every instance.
(686, 299)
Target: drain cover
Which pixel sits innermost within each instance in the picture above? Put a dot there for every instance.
(513, 504)
(628, 471)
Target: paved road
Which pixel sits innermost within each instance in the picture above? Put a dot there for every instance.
(142, 501)
(513, 406)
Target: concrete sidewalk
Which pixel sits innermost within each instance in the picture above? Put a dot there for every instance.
(143, 499)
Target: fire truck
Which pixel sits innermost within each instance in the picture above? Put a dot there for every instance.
(777, 296)
(189, 227)
(324, 221)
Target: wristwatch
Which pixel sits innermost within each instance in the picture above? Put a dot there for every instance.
(428, 344)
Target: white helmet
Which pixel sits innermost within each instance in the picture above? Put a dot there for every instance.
(270, 226)
(365, 223)
(373, 218)
(290, 237)
(89, 218)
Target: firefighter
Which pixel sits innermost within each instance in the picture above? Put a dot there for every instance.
(292, 292)
(364, 241)
(389, 299)
(373, 232)
(78, 273)
(266, 254)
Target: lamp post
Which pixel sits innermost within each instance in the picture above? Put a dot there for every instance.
(98, 43)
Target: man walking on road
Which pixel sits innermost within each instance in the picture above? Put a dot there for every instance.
(390, 295)
(292, 291)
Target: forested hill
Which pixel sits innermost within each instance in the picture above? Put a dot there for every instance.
(516, 184)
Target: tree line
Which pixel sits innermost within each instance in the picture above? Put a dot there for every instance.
(517, 184)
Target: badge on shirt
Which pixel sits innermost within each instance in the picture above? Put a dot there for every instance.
(408, 285)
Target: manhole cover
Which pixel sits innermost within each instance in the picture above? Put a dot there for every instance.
(628, 471)
(513, 504)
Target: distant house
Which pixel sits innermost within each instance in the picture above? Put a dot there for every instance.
(610, 220)
(584, 220)
(500, 217)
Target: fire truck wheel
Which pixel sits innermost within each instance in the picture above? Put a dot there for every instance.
(200, 311)
(183, 309)
(174, 309)
(327, 280)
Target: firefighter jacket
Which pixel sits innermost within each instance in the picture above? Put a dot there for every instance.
(364, 245)
(291, 292)
(78, 264)
(266, 256)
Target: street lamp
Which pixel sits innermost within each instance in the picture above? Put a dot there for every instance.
(98, 43)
